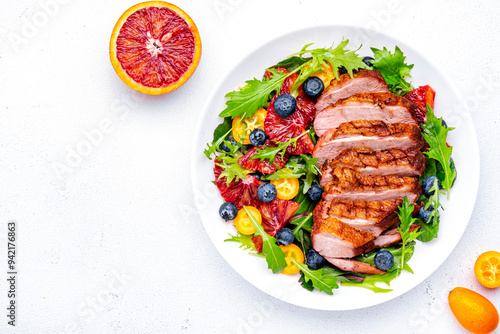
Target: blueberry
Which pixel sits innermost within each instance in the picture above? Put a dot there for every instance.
(314, 259)
(368, 61)
(256, 174)
(285, 105)
(342, 70)
(257, 137)
(284, 237)
(428, 183)
(224, 147)
(313, 87)
(444, 123)
(315, 192)
(228, 211)
(266, 192)
(424, 214)
(384, 260)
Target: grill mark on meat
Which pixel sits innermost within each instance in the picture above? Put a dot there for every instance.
(373, 217)
(368, 135)
(334, 239)
(410, 162)
(351, 185)
(385, 106)
(363, 81)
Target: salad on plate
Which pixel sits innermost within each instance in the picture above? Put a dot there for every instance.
(331, 166)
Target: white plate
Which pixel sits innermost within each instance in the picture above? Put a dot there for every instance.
(428, 256)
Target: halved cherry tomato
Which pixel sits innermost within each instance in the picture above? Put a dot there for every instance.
(487, 269)
(292, 251)
(243, 129)
(243, 223)
(287, 188)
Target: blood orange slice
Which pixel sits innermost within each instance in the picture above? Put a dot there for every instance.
(241, 192)
(281, 129)
(155, 47)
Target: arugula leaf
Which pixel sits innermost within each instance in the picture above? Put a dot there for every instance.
(231, 170)
(405, 215)
(370, 280)
(271, 152)
(245, 240)
(323, 281)
(334, 57)
(275, 257)
(246, 101)
(289, 171)
(305, 223)
(435, 135)
(393, 68)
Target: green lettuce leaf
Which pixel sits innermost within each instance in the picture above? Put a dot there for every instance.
(393, 68)
(275, 257)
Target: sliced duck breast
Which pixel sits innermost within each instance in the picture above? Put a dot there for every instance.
(386, 107)
(410, 162)
(367, 134)
(349, 184)
(363, 81)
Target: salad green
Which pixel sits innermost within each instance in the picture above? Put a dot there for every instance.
(256, 94)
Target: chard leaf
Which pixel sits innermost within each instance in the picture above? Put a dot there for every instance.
(275, 257)
(393, 68)
(435, 135)
(322, 281)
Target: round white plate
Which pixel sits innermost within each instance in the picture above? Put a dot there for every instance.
(428, 256)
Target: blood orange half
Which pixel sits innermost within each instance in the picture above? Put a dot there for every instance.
(155, 47)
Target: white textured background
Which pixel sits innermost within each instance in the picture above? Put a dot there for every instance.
(113, 243)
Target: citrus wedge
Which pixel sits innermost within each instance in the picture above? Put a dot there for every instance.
(155, 47)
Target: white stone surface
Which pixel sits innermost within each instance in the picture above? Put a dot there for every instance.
(114, 245)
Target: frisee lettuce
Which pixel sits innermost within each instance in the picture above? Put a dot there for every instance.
(393, 68)
(245, 241)
(435, 134)
(405, 215)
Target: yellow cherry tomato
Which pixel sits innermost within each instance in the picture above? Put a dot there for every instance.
(487, 269)
(243, 129)
(243, 223)
(292, 251)
(287, 188)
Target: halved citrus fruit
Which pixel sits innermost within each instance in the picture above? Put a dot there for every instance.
(487, 269)
(155, 47)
